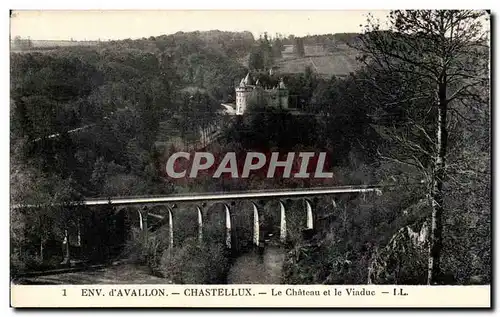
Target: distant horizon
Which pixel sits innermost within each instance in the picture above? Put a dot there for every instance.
(201, 31)
(121, 25)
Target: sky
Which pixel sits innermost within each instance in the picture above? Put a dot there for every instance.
(104, 25)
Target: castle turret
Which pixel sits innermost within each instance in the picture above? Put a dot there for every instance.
(243, 92)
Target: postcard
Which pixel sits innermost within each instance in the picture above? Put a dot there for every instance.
(334, 159)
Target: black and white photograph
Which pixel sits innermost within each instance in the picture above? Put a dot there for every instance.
(175, 147)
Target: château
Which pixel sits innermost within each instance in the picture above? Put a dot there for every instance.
(247, 90)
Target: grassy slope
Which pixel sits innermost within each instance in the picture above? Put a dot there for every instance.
(339, 63)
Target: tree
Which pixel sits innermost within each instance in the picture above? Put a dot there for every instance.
(299, 47)
(440, 60)
(277, 47)
(267, 51)
(256, 60)
(22, 44)
(53, 194)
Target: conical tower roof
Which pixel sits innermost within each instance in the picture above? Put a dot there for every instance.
(247, 80)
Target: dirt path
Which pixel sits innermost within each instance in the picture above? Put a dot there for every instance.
(121, 274)
(315, 67)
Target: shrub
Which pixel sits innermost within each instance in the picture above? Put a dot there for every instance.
(195, 264)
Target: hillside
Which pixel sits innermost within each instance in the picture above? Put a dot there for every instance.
(19, 45)
(339, 62)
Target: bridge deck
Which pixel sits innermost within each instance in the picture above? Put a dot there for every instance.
(224, 196)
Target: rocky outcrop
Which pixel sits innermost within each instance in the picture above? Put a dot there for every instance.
(404, 259)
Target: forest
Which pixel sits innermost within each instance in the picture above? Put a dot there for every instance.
(91, 122)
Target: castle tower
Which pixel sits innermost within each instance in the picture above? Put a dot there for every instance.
(243, 92)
